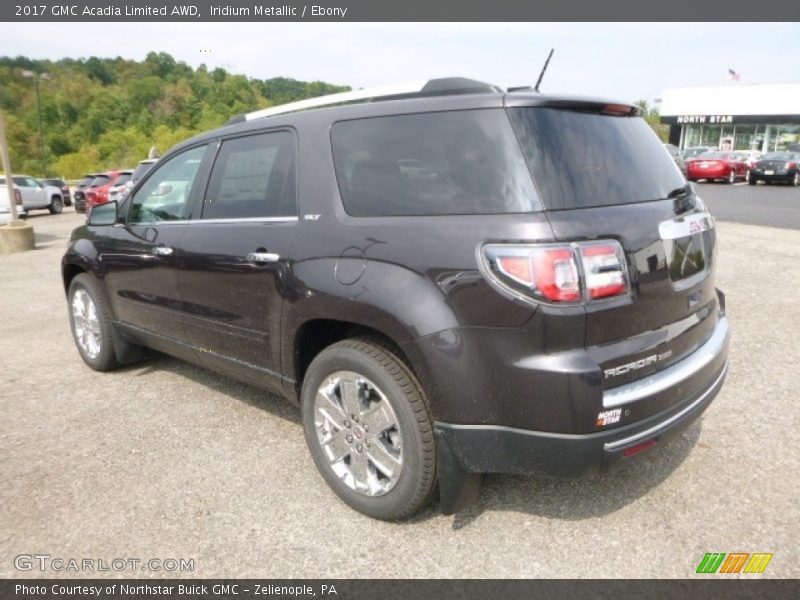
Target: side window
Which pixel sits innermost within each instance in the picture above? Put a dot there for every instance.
(165, 195)
(445, 163)
(20, 181)
(253, 176)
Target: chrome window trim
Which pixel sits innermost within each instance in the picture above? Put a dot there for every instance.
(666, 423)
(672, 375)
(218, 221)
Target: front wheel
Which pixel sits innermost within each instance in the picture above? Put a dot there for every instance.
(367, 426)
(90, 324)
(56, 206)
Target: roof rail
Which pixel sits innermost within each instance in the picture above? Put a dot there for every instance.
(433, 87)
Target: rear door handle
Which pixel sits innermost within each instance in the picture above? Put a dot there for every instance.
(162, 251)
(263, 257)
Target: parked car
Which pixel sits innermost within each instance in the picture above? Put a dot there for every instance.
(35, 195)
(676, 155)
(97, 192)
(80, 191)
(5, 209)
(695, 151)
(63, 186)
(120, 188)
(711, 166)
(434, 313)
(777, 167)
(141, 169)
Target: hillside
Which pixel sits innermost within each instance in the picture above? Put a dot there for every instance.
(101, 113)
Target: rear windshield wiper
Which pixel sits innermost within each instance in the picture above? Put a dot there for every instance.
(681, 191)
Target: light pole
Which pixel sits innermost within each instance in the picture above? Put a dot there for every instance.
(37, 77)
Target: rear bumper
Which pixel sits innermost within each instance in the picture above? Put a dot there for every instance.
(465, 451)
(776, 176)
(498, 449)
(708, 173)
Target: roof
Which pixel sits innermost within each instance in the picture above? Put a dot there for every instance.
(453, 93)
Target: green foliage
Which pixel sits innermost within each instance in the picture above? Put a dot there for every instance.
(106, 113)
(653, 118)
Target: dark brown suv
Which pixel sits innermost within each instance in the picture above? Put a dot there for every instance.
(448, 279)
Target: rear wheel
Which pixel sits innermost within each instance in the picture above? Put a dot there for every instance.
(752, 181)
(56, 205)
(732, 177)
(796, 179)
(368, 429)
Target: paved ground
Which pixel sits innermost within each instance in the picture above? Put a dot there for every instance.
(165, 460)
(770, 205)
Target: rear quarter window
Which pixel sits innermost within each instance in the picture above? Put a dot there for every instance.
(444, 163)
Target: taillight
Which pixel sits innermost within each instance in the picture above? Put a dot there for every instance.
(791, 165)
(604, 270)
(17, 196)
(559, 273)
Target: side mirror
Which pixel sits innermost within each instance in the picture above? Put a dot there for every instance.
(103, 214)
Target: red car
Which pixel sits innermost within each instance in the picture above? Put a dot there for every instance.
(97, 192)
(728, 166)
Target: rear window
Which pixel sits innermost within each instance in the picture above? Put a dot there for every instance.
(100, 180)
(446, 163)
(778, 156)
(123, 179)
(582, 159)
(85, 181)
(715, 155)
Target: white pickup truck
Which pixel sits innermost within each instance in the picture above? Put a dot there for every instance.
(32, 195)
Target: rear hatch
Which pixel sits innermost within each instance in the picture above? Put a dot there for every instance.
(602, 174)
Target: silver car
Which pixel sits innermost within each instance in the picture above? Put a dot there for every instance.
(36, 195)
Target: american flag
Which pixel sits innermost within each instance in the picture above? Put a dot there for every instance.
(734, 75)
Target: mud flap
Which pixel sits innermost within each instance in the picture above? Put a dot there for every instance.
(125, 351)
(458, 488)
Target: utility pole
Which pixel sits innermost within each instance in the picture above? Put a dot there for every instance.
(7, 168)
(38, 77)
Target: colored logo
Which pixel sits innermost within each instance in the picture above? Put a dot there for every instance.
(734, 562)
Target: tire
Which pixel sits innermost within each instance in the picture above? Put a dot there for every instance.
(398, 473)
(796, 179)
(56, 205)
(94, 340)
(747, 176)
(752, 181)
(731, 177)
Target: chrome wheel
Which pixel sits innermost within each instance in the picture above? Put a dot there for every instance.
(732, 177)
(86, 324)
(359, 433)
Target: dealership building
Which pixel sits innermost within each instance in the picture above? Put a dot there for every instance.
(761, 117)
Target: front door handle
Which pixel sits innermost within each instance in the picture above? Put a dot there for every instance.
(162, 251)
(263, 257)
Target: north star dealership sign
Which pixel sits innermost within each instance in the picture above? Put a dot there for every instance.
(702, 119)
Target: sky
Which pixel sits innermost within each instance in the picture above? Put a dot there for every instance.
(625, 61)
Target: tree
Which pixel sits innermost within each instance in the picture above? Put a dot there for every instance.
(653, 118)
(103, 113)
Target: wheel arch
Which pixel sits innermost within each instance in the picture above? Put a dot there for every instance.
(312, 336)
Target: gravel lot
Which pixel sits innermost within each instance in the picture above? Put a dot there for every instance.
(165, 460)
